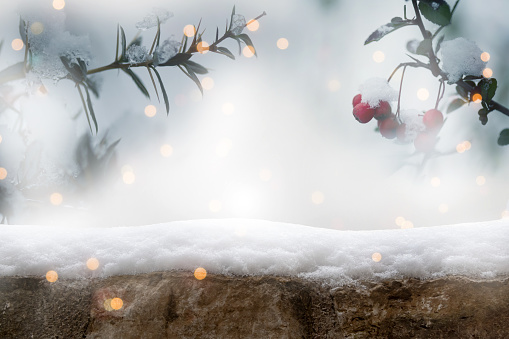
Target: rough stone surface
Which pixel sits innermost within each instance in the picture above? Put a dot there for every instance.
(176, 305)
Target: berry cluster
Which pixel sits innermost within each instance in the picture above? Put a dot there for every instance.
(390, 125)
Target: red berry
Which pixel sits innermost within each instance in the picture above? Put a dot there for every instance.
(388, 127)
(356, 100)
(363, 113)
(424, 142)
(383, 110)
(433, 120)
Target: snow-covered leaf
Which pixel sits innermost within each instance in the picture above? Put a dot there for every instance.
(388, 28)
(436, 11)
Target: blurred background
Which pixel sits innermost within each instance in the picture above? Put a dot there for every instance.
(273, 136)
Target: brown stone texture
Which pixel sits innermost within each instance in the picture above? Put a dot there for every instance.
(176, 305)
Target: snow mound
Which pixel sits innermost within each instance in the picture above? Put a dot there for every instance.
(254, 247)
(461, 57)
(375, 90)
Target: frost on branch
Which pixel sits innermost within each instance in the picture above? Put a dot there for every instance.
(166, 50)
(151, 19)
(238, 24)
(375, 90)
(461, 57)
(137, 54)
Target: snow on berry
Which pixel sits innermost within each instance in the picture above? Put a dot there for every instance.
(461, 57)
(413, 124)
(375, 90)
(363, 113)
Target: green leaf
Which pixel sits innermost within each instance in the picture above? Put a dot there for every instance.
(387, 29)
(85, 107)
(123, 56)
(74, 69)
(503, 138)
(23, 30)
(424, 47)
(92, 85)
(196, 68)
(137, 81)
(462, 92)
(231, 18)
(225, 51)
(439, 43)
(436, 11)
(247, 40)
(457, 103)
(165, 96)
(176, 60)
(488, 89)
(192, 76)
(91, 110)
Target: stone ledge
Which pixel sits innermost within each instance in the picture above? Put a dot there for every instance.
(176, 305)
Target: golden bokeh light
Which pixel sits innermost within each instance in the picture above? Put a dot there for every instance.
(407, 224)
(215, 206)
(399, 221)
(166, 150)
(37, 28)
(58, 4)
(17, 44)
(480, 180)
(435, 181)
(228, 108)
(334, 85)
(150, 111)
(224, 147)
(92, 264)
(128, 177)
(378, 56)
(487, 73)
(56, 199)
(477, 98)
(317, 198)
(107, 305)
(189, 31)
(116, 303)
(467, 145)
(207, 83)
(376, 257)
(460, 148)
(200, 273)
(282, 43)
(248, 51)
(265, 174)
(485, 56)
(443, 208)
(202, 47)
(3, 173)
(51, 276)
(253, 25)
(423, 94)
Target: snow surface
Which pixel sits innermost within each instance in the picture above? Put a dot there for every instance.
(461, 57)
(166, 50)
(238, 24)
(150, 20)
(137, 54)
(255, 247)
(375, 90)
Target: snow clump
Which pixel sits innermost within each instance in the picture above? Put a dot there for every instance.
(238, 24)
(150, 20)
(375, 90)
(166, 50)
(137, 54)
(413, 123)
(461, 57)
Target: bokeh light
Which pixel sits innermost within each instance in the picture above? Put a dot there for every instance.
(150, 111)
(334, 85)
(17, 44)
(203, 47)
(477, 98)
(189, 31)
(253, 25)
(463, 146)
(37, 28)
(399, 221)
(480, 180)
(107, 305)
(215, 206)
(1, 139)
(248, 51)
(51, 276)
(3, 173)
(407, 224)
(435, 181)
(92, 264)
(443, 208)
(166, 150)
(224, 147)
(317, 198)
(207, 83)
(200, 273)
(485, 56)
(228, 108)
(116, 303)
(265, 174)
(58, 4)
(487, 73)
(376, 257)
(423, 94)
(56, 199)
(282, 43)
(378, 56)
(128, 177)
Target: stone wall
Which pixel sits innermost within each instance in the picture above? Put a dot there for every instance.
(176, 305)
